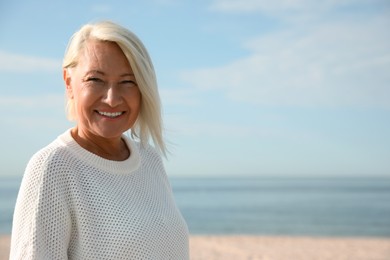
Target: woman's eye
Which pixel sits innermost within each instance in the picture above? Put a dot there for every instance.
(93, 79)
(129, 82)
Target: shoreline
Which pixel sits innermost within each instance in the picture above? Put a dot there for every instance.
(226, 247)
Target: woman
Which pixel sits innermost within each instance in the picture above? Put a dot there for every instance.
(94, 193)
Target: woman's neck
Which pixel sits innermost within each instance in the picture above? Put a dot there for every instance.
(114, 149)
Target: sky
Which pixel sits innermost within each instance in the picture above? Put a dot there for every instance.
(249, 88)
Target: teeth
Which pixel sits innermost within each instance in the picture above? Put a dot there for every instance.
(110, 114)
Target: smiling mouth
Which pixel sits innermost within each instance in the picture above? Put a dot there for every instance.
(110, 115)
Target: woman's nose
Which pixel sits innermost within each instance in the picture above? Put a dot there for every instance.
(113, 96)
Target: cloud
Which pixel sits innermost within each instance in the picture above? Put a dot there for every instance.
(38, 112)
(233, 6)
(180, 96)
(12, 62)
(182, 125)
(283, 6)
(166, 2)
(101, 8)
(255, 131)
(334, 63)
(32, 102)
(297, 11)
(36, 123)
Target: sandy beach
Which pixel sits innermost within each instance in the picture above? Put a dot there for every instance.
(275, 248)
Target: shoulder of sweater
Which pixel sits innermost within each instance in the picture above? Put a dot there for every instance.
(44, 165)
(146, 148)
(53, 152)
(150, 155)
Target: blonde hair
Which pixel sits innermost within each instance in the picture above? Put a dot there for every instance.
(149, 121)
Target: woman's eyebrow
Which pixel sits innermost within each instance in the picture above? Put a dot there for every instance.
(95, 71)
(102, 73)
(127, 75)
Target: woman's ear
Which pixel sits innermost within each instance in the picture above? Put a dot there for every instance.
(67, 81)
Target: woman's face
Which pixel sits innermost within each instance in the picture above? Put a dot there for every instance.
(104, 91)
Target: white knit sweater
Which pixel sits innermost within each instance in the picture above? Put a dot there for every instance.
(73, 204)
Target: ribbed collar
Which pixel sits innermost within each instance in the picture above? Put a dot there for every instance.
(119, 167)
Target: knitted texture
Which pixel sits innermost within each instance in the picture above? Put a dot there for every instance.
(73, 204)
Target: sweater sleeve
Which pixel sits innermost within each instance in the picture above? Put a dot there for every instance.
(42, 223)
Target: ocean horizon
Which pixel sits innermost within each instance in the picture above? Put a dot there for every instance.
(326, 206)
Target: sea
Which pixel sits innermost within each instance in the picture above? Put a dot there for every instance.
(339, 207)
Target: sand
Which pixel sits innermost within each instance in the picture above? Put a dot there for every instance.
(288, 248)
(275, 248)
(4, 247)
